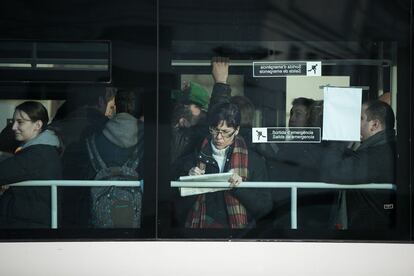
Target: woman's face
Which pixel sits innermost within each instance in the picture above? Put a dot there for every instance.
(24, 129)
(223, 135)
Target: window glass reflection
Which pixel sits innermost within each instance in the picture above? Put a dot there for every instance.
(264, 160)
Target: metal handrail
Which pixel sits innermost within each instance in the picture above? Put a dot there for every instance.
(294, 186)
(196, 184)
(53, 184)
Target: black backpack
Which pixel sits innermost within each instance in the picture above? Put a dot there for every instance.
(115, 207)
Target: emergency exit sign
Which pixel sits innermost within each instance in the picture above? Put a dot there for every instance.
(283, 69)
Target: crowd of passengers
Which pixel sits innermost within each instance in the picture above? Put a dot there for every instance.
(34, 149)
(209, 134)
(214, 134)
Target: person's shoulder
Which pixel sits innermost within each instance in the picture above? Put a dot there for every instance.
(39, 149)
(385, 149)
(384, 145)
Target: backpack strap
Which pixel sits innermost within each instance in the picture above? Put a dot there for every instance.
(136, 156)
(97, 163)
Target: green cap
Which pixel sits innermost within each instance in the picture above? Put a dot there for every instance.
(195, 93)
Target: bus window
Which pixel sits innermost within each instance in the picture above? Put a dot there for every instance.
(312, 144)
(273, 136)
(96, 77)
(73, 157)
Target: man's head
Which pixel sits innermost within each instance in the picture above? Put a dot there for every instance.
(191, 105)
(376, 116)
(186, 115)
(299, 113)
(192, 93)
(127, 102)
(101, 97)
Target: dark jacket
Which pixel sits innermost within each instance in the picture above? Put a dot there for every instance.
(29, 207)
(74, 128)
(221, 94)
(184, 141)
(294, 162)
(299, 162)
(372, 162)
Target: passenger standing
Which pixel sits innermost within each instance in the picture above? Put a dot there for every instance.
(37, 158)
(296, 161)
(188, 126)
(301, 162)
(83, 114)
(223, 151)
(116, 153)
(372, 162)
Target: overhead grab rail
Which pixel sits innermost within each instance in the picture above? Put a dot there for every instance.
(330, 62)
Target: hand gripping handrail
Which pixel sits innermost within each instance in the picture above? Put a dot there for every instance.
(294, 186)
(72, 183)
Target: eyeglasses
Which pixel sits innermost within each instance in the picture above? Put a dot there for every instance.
(224, 133)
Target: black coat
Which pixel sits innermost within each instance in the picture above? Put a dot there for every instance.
(372, 162)
(74, 128)
(28, 207)
(299, 162)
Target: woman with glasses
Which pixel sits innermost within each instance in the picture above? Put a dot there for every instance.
(37, 158)
(223, 151)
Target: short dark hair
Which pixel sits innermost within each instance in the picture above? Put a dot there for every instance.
(110, 93)
(36, 111)
(306, 102)
(380, 111)
(246, 108)
(227, 112)
(126, 102)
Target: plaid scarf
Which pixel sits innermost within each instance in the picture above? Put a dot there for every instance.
(237, 215)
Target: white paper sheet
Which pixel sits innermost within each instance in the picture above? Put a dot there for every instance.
(214, 177)
(342, 114)
(198, 191)
(204, 178)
